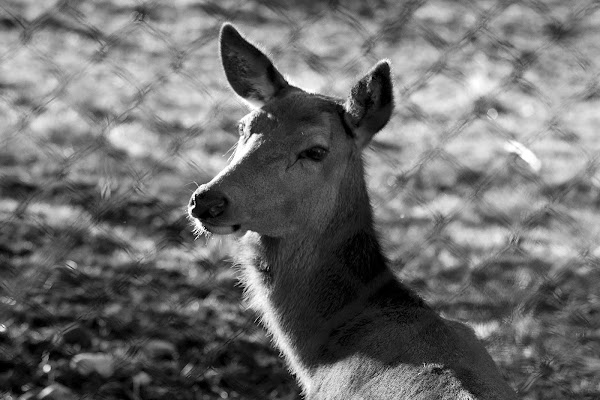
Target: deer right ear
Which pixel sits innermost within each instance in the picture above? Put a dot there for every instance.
(250, 73)
(370, 104)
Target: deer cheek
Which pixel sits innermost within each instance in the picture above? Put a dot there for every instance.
(289, 207)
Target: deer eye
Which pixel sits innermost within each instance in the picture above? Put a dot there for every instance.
(240, 128)
(316, 153)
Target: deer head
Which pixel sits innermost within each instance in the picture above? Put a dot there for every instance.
(297, 164)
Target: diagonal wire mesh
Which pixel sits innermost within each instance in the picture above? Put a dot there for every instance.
(486, 185)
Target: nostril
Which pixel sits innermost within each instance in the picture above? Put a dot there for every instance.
(217, 209)
(207, 204)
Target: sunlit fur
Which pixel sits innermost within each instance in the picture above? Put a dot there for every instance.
(198, 229)
(311, 261)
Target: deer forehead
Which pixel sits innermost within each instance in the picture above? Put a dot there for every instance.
(296, 117)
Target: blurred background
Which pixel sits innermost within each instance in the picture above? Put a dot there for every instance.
(486, 185)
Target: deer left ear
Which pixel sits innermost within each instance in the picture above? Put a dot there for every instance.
(249, 71)
(370, 104)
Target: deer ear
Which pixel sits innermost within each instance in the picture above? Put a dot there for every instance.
(250, 73)
(370, 104)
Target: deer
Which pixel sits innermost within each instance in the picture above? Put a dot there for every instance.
(311, 263)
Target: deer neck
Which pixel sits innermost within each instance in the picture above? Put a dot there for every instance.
(306, 287)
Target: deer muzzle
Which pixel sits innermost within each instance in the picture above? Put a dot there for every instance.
(210, 207)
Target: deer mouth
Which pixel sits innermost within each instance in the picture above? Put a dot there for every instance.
(220, 229)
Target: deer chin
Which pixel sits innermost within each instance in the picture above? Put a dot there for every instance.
(220, 229)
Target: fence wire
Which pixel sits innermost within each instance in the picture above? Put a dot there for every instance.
(486, 185)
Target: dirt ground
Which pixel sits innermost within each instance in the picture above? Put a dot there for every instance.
(486, 185)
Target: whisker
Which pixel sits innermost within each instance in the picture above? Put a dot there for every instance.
(232, 151)
(194, 182)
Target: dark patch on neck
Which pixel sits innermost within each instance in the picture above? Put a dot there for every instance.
(363, 258)
(259, 257)
(263, 266)
(362, 255)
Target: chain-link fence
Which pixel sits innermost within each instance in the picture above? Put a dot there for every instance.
(486, 185)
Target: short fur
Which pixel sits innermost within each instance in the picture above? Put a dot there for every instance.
(311, 261)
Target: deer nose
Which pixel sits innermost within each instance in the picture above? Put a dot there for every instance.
(207, 204)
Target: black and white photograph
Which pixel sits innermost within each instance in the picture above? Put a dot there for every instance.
(300, 200)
